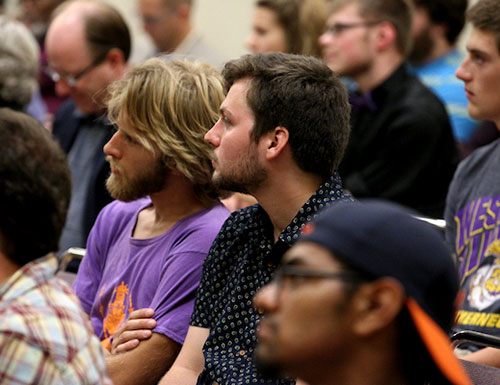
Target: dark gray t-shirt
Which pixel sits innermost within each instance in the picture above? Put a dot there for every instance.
(473, 231)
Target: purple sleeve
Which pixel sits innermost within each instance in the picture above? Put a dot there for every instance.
(174, 300)
(90, 269)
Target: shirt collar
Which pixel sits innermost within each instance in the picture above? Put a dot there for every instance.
(29, 276)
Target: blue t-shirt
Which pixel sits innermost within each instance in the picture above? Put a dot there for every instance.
(439, 76)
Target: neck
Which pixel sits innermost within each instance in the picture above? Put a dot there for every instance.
(7, 268)
(368, 363)
(283, 194)
(181, 35)
(379, 71)
(175, 202)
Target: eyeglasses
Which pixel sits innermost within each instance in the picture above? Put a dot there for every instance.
(71, 80)
(292, 275)
(338, 28)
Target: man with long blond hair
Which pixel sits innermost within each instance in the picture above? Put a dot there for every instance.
(147, 248)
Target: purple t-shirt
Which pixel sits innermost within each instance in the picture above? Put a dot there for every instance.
(120, 274)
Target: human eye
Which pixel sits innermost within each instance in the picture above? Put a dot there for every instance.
(129, 139)
(291, 277)
(477, 58)
(225, 120)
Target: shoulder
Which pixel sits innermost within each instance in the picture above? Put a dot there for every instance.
(479, 159)
(119, 213)
(50, 316)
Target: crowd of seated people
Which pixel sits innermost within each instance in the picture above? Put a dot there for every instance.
(253, 219)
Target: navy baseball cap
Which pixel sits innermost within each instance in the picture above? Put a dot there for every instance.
(382, 239)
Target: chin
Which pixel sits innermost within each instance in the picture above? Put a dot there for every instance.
(267, 366)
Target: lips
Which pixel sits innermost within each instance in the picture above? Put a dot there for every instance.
(265, 330)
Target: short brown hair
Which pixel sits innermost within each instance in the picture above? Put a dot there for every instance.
(397, 12)
(485, 15)
(303, 95)
(303, 22)
(172, 105)
(35, 188)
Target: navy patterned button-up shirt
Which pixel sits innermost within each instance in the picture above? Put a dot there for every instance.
(242, 259)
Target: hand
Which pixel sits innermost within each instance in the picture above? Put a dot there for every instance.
(135, 329)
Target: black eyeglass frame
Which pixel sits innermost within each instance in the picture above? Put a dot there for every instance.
(338, 28)
(284, 271)
(71, 80)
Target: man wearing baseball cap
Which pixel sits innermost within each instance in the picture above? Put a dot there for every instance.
(365, 296)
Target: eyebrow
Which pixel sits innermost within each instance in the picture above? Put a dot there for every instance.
(296, 260)
(225, 111)
(477, 51)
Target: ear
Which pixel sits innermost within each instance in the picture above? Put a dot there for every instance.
(275, 141)
(386, 35)
(376, 305)
(184, 10)
(115, 58)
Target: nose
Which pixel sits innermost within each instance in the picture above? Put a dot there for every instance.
(324, 39)
(266, 299)
(250, 42)
(112, 148)
(213, 135)
(462, 72)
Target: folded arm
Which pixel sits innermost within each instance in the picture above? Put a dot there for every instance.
(190, 362)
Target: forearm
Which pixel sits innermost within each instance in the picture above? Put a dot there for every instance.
(180, 376)
(145, 364)
(190, 362)
(486, 356)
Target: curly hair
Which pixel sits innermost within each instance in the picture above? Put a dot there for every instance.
(171, 106)
(19, 62)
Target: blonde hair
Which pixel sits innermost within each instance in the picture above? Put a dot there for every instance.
(171, 106)
(303, 22)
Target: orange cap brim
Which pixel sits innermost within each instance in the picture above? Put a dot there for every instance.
(438, 345)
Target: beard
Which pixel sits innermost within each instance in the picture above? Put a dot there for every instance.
(268, 368)
(147, 182)
(422, 47)
(247, 176)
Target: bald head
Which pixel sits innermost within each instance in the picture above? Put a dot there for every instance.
(88, 45)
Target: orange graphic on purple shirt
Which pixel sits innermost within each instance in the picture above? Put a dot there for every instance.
(117, 311)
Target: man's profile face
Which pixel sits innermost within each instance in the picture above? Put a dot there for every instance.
(159, 22)
(236, 162)
(69, 54)
(347, 43)
(305, 320)
(480, 71)
(135, 171)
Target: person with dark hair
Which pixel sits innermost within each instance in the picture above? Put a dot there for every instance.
(401, 146)
(280, 137)
(434, 58)
(365, 296)
(291, 26)
(45, 336)
(168, 23)
(88, 45)
(147, 248)
(473, 204)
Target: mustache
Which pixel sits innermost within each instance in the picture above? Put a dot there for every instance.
(112, 163)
